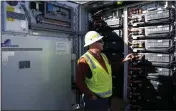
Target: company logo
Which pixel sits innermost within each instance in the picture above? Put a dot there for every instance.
(7, 43)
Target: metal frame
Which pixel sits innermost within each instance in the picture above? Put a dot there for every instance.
(75, 44)
(82, 25)
(125, 30)
(0, 50)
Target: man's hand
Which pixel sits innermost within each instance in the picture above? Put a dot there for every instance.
(128, 57)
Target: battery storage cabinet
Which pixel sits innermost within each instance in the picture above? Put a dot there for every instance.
(151, 39)
(150, 33)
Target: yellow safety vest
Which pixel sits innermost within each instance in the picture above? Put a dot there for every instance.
(101, 81)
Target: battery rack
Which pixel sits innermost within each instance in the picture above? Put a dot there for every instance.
(151, 32)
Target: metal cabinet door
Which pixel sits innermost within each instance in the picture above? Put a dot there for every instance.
(35, 75)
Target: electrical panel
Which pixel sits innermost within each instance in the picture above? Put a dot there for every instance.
(13, 15)
(47, 25)
(52, 15)
(39, 15)
(151, 40)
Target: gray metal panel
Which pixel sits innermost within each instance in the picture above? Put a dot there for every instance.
(0, 52)
(83, 20)
(83, 27)
(45, 85)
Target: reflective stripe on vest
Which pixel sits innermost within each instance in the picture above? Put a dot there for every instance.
(91, 62)
(104, 93)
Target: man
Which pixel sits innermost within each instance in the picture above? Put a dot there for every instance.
(93, 76)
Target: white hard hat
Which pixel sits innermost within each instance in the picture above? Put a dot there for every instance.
(91, 37)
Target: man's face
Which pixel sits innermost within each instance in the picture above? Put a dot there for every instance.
(99, 44)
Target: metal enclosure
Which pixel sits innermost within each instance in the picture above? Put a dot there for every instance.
(165, 58)
(49, 26)
(38, 65)
(0, 53)
(36, 75)
(14, 16)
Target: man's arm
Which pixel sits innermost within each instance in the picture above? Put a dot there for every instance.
(81, 71)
